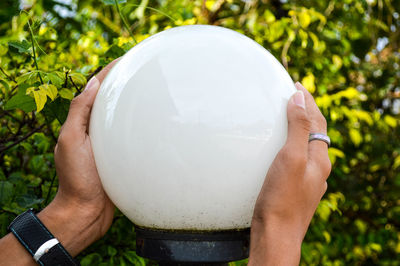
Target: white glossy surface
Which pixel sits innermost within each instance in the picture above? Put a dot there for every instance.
(186, 125)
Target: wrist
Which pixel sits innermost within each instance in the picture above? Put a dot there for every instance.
(75, 226)
(275, 241)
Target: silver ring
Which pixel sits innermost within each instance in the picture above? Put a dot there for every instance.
(319, 136)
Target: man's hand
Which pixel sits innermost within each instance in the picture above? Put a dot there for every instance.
(294, 185)
(80, 195)
(81, 212)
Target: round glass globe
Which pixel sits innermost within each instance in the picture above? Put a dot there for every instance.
(186, 125)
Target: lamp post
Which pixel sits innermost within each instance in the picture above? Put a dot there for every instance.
(184, 129)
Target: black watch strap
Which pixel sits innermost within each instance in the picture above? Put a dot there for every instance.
(40, 243)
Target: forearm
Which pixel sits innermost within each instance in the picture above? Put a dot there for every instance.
(274, 243)
(73, 227)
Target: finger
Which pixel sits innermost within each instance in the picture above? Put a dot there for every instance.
(317, 150)
(103, 73)
(298, 124)
(318, 122)
(81, 106)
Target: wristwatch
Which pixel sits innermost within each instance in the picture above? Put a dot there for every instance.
(40, 243)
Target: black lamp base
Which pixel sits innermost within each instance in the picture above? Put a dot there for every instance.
(192, 248)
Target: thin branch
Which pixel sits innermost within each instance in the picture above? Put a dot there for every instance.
(10, 115)
(124, 21)
(5, 74)
(153, 9)
(33, 51)
(94, 73)
(51, 186)
(66, 79)
(2, 150)
(73, 83)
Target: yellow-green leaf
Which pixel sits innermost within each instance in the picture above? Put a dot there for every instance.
(304, 19)
(50, 90)
(337, 61)
(39, 95)
(396, 162)
(327, 236)
(355, 136)
(66, 94)
(309, 82)
(268, 16)
(333, 153)
(78, 78)
(390, 120)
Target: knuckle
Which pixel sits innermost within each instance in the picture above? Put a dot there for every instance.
(326, 167)
(297, 160)
(321, 121)
(324, 188)
(62, 139)
(76, 101)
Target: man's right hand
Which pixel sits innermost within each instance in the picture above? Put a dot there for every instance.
(293, 187)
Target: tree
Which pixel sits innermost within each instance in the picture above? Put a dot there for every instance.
(345, 52)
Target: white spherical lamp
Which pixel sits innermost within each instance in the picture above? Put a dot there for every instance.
(184, 129)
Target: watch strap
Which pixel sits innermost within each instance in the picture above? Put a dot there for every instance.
(39, 242)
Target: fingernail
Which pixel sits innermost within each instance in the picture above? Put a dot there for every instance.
(93, 83)
(298, 99)
(298, 84)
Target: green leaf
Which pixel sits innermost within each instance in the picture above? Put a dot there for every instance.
(55, 79)
(111, 251)
(22, 46)
(6, 191)
(133, 258)
(2, 176)
(5, 84)
(66, 94)
(41, 142)
(21, 101)
(28, 200)
(78, 78)
(57, 109)
(114, 51)
(112, 2)
(91, 259)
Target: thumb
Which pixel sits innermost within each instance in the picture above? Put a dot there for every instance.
(81, 106)
(298, 123)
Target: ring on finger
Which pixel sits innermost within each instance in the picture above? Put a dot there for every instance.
(321, 137)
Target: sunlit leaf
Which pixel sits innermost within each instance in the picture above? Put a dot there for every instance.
(391, 121)
(78, 78)
(304, 19)
(355, 136)
(50, 90)
(309, 82)
(66, 94)
(40, 96)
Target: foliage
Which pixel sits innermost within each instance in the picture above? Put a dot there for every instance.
(345, 52)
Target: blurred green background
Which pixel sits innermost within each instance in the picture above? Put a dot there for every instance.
(346, 53)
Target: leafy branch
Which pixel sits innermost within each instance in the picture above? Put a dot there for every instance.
(2, 150)
(124, 21)
(33, 49)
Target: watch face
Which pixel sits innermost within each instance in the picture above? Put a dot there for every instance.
(186, 125)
